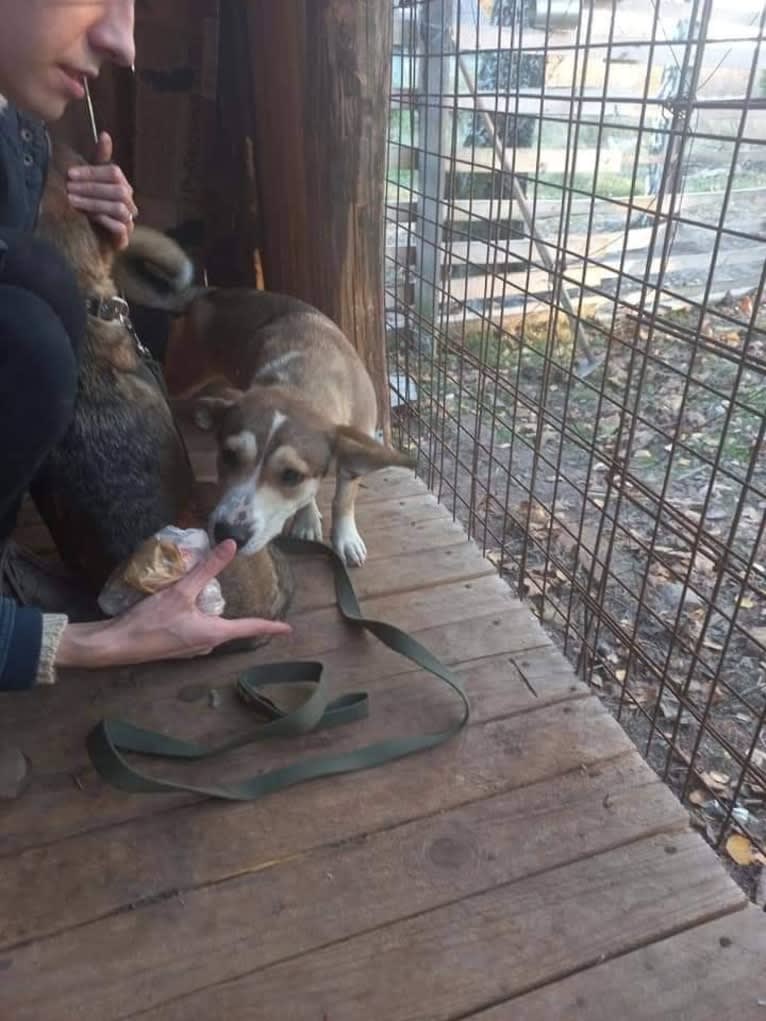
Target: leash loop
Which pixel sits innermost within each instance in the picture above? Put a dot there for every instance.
(110, 740)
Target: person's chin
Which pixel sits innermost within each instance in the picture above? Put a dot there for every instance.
(55, 109)
(45, 105)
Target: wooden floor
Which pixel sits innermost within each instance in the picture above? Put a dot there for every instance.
(533, 869)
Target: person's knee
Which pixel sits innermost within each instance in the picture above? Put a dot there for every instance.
(39, 366)
(33, 264)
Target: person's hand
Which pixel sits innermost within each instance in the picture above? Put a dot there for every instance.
(167, 625)
(103, 193)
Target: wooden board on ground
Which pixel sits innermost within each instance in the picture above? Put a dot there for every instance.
(496, 872)
(711, 972)
(479, 948)
(170, 945)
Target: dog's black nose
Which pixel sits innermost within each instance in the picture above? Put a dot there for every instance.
(225, 530)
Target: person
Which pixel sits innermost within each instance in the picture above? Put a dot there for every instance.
(46, 48)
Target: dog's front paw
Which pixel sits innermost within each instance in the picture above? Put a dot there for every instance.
(348, 543)
(307, 524)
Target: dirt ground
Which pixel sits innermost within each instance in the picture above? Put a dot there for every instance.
(625, 499)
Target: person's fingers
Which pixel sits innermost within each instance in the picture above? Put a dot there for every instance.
(104, 148)
(104, 172)
(252, 627)
(208, 568)
(105, 190)
(120, 231)
(102, 207)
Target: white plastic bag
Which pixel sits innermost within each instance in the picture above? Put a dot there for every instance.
(158, 562)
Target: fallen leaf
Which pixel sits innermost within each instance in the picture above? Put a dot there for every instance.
(730, 337)
(742, 851)
(698, 797)
(746, 604)
(718, 782)
(538, 515)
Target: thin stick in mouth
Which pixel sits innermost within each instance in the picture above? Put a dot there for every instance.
(91, 112)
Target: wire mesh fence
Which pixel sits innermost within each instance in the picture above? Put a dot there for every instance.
(575, 268)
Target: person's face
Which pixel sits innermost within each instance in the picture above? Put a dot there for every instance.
(47, 46)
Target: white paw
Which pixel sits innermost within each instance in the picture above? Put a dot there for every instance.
(348, 543)
(307, 524)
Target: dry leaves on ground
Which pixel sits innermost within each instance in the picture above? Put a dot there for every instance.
(741, 850)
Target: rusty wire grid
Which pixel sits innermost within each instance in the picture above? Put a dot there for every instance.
(576, 243)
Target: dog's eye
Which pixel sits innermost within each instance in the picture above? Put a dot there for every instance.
(291, 477)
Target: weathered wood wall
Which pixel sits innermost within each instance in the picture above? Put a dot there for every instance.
(321, 72)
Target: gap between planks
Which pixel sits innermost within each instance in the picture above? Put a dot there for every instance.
(501, 754)
(59, 718)
(712, 971)
(358, 886)
(455, 957)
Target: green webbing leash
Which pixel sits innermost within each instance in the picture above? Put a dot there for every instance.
(110, 738)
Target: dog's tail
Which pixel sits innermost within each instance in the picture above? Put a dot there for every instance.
(155, 271)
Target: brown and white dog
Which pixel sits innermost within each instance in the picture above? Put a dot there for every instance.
(298, 405)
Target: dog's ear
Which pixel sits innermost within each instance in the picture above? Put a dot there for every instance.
(356, 453)
(208, 412)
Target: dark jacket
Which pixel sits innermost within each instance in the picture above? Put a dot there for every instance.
(24, 151)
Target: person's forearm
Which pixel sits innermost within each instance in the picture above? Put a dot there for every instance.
(88, 645)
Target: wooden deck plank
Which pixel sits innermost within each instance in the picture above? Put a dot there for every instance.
(498, 684)
(491, 756)
(533, 847)
(437, 612)
(707, 973)
(379, 506)
(445, 963)
(413, 533)
(390, 483)
(403, 573)
(210, 934)
(434, 615)
(65, 796)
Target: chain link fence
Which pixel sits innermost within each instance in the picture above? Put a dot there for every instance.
(575, 253)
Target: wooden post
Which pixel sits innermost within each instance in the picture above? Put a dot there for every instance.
(321, 71)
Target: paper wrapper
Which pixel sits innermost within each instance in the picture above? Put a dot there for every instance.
(158, 562)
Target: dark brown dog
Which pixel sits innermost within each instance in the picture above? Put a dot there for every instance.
(122, 471)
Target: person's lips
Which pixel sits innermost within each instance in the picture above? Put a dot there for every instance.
(72, 81)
